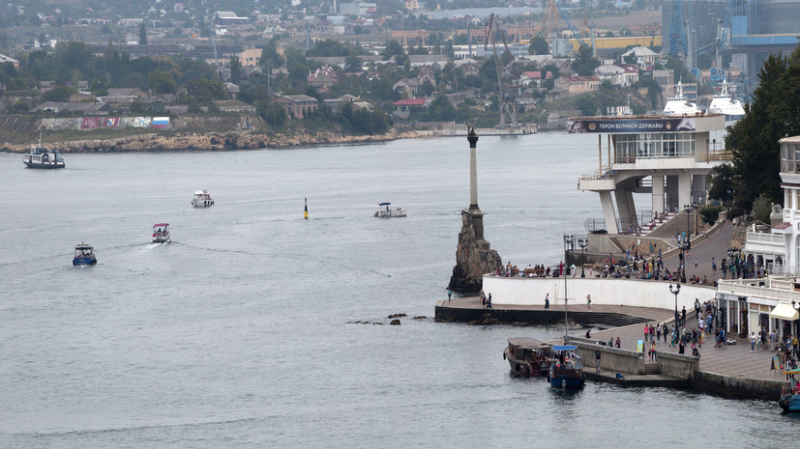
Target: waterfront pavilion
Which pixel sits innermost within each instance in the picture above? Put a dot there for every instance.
(667, 157)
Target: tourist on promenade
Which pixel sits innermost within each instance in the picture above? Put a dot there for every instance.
(772, 341)
(589, 302)
(666, 330)
(681, 346)
(618, 344)
(716, 339)
(796, 345)
(646, 331)
(724, 265)
(653, 357)
(597, 359)
(489, 301)
(652, 333)
(683, 316)
(714, 267)
(752, 341)
(547, 301)
(449, 295)
(611, 342)
(658, 332)
(722, 338)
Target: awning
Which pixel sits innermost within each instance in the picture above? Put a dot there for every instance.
(784, 311)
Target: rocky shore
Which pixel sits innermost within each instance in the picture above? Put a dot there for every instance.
(193, 141)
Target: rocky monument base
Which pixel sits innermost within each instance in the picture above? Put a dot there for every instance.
(474, 256)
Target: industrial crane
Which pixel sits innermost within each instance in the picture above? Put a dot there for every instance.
(507, 102)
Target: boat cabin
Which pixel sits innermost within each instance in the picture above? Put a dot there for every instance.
(528, 357)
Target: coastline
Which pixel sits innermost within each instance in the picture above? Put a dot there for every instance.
(213, 141)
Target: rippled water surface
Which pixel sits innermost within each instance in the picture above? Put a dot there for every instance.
(245, 330)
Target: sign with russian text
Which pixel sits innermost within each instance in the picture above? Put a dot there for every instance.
(625, 125)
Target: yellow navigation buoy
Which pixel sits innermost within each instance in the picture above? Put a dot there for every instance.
(305, 213)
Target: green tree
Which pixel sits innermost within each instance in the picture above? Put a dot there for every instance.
(585, 62)
(270, 56)
(273, 113)
(205, 91)
(587, 105)
(142, 35)
(393, 48)
(162, 82)
(58, 93)
(328, 47)
(721, 178)
(236, 70)
(762, 207)
(772, 115)
(352, 64)
(539, 46)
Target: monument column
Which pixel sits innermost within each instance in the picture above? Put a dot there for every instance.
(474, 256)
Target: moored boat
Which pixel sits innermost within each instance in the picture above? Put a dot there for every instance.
(528, 357)
(567, 369)
(790, 400)
(41, 157)
(384, 211)
(161, 233)
(84, 255)
(202, 199)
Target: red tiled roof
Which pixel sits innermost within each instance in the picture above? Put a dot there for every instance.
(411, 102)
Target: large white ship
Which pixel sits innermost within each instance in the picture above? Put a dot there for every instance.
(725, 104)
(678, 105)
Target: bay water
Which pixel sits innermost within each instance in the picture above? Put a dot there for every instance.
(257, 328)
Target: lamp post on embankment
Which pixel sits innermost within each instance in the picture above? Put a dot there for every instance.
(675, 292)
(583, 243)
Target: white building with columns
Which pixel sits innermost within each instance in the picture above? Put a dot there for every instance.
(667, 157)
(771, 303)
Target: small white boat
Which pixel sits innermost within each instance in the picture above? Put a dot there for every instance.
(678, 105)
(161, 233)
(384, 211)
(41, 157)
(725, 104)
(202, 199)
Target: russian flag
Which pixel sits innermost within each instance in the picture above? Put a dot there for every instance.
(160, 122)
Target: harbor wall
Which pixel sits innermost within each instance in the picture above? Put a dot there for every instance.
(611, 359)
(606, 291)
(740, 386)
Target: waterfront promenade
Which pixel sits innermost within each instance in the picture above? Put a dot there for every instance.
(735, 365)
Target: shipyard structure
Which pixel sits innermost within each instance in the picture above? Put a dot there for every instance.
(746, 31)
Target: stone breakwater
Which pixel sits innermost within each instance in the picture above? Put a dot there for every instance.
(205, 142)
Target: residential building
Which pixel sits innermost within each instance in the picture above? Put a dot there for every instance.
(402, 108)
(297, 106)
(579, 84)
(428, 60)
(749, 305)
(644, 56)
(4, 59)
(618, 74)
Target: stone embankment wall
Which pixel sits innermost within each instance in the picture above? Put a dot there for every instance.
(609, 291)
(631, 362)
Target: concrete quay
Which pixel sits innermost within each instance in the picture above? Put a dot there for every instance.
(734, 370)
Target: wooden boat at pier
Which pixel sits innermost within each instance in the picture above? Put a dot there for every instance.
(790, 400)
(528, 357)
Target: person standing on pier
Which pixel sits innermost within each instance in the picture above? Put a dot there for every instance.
(683, 316)
(449, 295)
(589, 302)
(547, 301)
(597, 359)
(646, 331)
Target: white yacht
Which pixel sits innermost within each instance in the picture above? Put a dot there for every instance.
(202, 199)
(41, 157)
(678, 105)
(725, 104)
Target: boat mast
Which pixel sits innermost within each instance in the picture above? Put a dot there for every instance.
(568, 239)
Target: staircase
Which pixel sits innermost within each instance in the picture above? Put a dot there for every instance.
(664, 218)
(651, 368)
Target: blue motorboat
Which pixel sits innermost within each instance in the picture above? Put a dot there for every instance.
(790, 400)
(84, 255)
(567, 369)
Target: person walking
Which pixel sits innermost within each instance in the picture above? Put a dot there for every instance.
(653, 356)
(489, 301)
(449, 295)
(714, 267)
(589, 302)
(597, 360)
(646, 331)
(683, 316)
(752, 341)
(795, 344)
(658, 332)
(547, 301)
(666, 331)
(618, 343)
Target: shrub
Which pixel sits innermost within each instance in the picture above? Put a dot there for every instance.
(710, 213)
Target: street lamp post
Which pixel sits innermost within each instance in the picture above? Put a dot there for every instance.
(583, 243)
(675, 292)
(688, 208)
